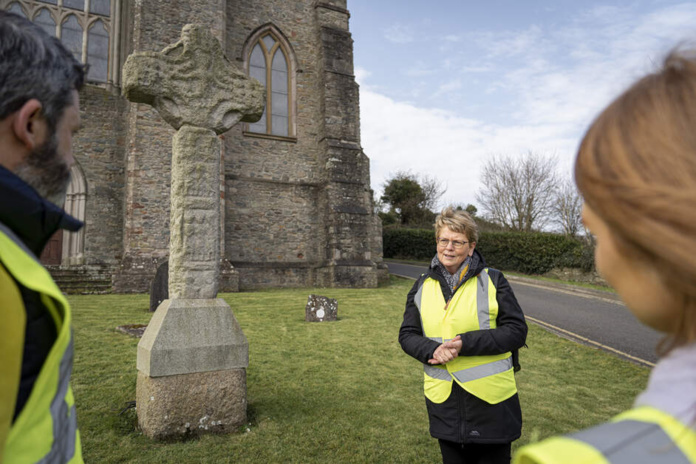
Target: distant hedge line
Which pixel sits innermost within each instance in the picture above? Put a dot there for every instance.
(529, 253)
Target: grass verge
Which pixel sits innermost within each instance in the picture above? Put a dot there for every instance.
(340, 392)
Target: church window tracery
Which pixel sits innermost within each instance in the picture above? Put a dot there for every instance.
(268, 59)
(88, 28)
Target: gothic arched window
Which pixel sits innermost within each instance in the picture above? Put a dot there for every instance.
(15, 8)
(45, 20)
(87, 29)
(269, 60)
(71, 36)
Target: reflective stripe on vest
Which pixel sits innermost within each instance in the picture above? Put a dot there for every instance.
(630, 442)
(45, 431)
(642, 435)
(64, 431)
(473, 307)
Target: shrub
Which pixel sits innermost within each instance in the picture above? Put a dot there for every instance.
(529, 253)
(403, 243)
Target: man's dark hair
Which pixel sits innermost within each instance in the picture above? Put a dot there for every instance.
(35, 65)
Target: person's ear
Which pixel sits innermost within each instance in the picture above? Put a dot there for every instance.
(29, 125)
(471, 250)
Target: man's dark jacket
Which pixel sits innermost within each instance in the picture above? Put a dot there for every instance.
(34, 220)
(464, 418)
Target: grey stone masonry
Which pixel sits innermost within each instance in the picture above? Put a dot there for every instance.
(198, 91)
(295, 210)
(349, 220)
(185, 336)
(193, 83)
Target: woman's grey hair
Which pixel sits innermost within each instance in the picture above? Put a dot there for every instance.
(35, 65)
(457, 220)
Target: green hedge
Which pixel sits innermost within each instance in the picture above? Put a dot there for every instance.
(529, 253)
(403, 243)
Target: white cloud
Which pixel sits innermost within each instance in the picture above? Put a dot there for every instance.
(510, 43)
(361, 75)
(399, 33)
(452, 38)
(448, 87)
(400, 136)
(420, 69)
(555, 80)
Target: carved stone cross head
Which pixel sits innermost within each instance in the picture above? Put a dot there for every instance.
(193, 83)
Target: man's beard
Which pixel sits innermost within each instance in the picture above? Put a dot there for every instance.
(45, 170)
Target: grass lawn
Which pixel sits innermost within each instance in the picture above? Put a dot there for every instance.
(326, 392)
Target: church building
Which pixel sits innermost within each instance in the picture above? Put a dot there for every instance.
(295, 189)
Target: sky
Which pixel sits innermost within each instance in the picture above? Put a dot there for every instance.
(446, 84)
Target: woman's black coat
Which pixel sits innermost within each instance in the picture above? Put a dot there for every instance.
(464, 418)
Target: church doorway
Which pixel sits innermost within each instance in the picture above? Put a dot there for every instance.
(67, 248)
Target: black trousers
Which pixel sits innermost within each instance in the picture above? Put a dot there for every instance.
(474, 453)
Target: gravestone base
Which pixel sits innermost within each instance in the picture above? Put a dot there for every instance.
(176, 406)
(229, 277)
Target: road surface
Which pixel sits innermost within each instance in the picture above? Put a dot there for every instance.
(589, 317)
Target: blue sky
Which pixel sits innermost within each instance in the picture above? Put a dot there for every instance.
(444, 84)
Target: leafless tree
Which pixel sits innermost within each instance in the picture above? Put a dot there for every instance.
(433, 190)
(519, 192)
(567, 211)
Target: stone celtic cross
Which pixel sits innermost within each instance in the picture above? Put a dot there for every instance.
(197, 90)
(193, 356)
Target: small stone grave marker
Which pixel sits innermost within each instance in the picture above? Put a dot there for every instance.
(159, 290)
(320, 308)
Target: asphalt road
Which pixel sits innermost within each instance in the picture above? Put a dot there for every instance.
(589, 317)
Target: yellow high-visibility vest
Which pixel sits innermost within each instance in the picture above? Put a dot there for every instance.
(46, 429)
(473, 307)
(644, 435)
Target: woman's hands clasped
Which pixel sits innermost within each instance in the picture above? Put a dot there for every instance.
(447, 351)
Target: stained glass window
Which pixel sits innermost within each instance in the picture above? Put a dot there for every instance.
(71, 36)
(15, 8)
(268, 64)
(98, 52)
(45, 20)
(93, 45)
(100, 7)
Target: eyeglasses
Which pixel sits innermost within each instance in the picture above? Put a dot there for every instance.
(443, 242)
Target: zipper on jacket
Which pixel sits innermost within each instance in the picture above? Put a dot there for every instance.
(461, 427)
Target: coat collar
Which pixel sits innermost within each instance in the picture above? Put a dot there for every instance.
(476, 265)
(31, 217)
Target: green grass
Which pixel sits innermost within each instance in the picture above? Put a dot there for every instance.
(326, 392)
(601, 288)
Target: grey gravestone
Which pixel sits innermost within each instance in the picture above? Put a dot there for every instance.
(159, 290)
(193, 356)
(320, 308)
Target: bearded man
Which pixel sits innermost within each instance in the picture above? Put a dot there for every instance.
(39, 114)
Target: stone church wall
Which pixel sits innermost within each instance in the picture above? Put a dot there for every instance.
(297, 211)
(99, 149)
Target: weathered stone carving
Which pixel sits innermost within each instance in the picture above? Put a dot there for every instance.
(193, 356)
(193, 83)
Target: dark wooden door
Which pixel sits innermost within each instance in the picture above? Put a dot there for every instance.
(53, 252)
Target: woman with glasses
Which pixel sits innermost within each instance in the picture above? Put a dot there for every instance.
(463, 322)
(636, 169)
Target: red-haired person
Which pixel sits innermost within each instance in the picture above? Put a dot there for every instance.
(636, 169)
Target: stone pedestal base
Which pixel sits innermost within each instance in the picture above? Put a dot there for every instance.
(192, 363)
(190, 404)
